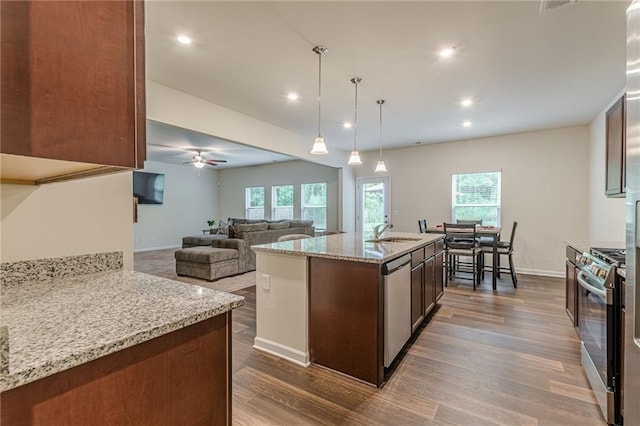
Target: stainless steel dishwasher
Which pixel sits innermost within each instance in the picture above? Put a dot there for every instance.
(397, 306)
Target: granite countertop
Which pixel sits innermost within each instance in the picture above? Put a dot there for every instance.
(56, 324)
(350, 246)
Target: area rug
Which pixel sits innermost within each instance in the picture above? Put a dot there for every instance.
(161, 263)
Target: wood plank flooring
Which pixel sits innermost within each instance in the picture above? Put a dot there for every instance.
(510, 358)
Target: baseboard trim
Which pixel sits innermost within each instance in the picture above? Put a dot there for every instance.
(540, 272)
(282, 351)
(157, 248)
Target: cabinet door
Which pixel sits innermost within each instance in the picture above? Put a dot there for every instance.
(439, 275)
(73, 81)
(571, 293)
(615, 174)
(417, 288)
(429, 285)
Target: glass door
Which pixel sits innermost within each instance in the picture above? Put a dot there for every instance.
(373, 206)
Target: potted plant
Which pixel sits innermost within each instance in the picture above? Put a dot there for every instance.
(212, 230)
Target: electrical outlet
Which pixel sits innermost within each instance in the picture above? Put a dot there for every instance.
(266, 282)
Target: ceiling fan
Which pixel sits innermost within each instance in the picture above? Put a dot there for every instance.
(199, 161)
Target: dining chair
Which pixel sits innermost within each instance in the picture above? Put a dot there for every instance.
(422, 225)
(460, 241)
(505, 248)
(470, 221)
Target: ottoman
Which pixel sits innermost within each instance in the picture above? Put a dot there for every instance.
(201, 240)
(208, 263)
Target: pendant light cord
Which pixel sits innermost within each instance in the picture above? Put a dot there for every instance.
(319, 92)
(380, 130)
(355, 120)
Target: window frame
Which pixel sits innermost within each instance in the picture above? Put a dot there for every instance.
(497, 206)
(303, 206)
(248, 207)
(274, 199)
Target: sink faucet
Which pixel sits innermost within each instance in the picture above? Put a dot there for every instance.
(377, 231)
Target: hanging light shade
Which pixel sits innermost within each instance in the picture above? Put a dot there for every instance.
(199, 164)
(354, 159)
(319, 146)
(380, 167)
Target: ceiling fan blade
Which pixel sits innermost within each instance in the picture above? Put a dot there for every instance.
(215, 161)
(188, 162)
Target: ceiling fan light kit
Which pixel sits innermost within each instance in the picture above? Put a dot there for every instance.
(319, 146)
(380, 167)
(354, 159)
(199, 161)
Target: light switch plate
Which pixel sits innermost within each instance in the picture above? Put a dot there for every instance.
(266, 281)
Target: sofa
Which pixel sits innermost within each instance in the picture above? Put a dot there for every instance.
(244, 233)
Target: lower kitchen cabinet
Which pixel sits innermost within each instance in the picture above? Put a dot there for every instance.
(417, 288)
(571, 290)
(429, 285)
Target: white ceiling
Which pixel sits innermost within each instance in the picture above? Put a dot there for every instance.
(170, 144)
(525, 70)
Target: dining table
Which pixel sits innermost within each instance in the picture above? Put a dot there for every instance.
(484, 231)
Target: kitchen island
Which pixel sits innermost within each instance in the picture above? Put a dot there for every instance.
(322, 300)
(112, 347)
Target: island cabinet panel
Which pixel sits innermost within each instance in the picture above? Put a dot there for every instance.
(439, 274)
(180, 378)
(417, 296)
(346, 317)
(73, 81)
(429, 285)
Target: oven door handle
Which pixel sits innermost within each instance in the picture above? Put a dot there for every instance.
(607, 295)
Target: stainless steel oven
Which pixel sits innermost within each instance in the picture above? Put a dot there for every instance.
(600, 310)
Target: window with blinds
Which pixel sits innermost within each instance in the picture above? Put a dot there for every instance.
(476, 196)
(254, 202)
(314, 204)
(282, 202)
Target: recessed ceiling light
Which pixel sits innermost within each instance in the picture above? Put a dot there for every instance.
(466, 123)
(293, 96)
(445, 53)
(346, 125)
(184, 39)
(466, 102)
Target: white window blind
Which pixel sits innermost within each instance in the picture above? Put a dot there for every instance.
(476, 196)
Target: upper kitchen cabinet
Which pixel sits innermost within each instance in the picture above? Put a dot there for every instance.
(616, 148)
(73, 95)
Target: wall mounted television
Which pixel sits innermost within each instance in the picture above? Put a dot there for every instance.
(148, 187)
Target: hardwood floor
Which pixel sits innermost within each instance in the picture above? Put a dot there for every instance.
(510, 358)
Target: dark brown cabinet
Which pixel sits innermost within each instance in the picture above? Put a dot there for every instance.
(439, 275)
(572, 288)
(73, 84)
(429, 285)
(417, 288)
(616, 148)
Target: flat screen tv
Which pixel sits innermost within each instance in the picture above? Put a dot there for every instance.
(148, 187)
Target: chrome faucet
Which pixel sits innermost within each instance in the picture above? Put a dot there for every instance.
(377, 231)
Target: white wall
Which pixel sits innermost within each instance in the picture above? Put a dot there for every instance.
(92, 215)
(544, 188)
(234, 181)
(189, 201)
(606, 215)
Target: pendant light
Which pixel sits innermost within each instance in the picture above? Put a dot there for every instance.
(319, 146)
(380, 167)
(354, 159)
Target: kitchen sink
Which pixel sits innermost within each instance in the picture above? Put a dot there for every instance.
(393, 240)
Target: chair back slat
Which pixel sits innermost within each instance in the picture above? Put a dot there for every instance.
(513, 234)
(422, 225)
(471, 221)
(460, 235)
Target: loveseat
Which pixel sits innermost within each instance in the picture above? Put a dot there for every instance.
(244, 233)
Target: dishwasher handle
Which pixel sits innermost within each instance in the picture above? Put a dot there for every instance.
(396, 264)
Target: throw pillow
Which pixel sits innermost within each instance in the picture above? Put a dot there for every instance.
(223, 227)
(279, 225)
(250, 227)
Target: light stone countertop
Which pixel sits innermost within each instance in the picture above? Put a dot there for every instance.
(350, 246)
(57, 324)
